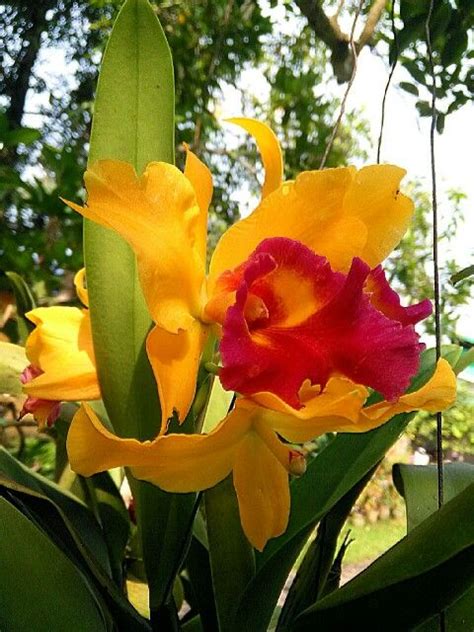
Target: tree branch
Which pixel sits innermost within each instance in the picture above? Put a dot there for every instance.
(373, 17)
(35, 15)
(327, 29)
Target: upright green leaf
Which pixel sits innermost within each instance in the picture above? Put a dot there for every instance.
(134, 122)
(41, 588)
(232, 557)
(418, 484)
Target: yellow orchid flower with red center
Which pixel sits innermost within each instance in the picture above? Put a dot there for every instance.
(306, 317)
(61, 355)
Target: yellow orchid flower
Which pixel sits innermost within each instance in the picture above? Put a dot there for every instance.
(306, 317)
(247, 444)
(61, 355)
(340, 214)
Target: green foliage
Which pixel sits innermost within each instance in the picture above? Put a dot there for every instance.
(212, 44)
(46, 567)
(300, 111)
(414, 580)
(451, 37)
(379, 500)
(458, 427)
(410, 268)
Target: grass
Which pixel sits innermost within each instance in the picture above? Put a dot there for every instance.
(371, 540)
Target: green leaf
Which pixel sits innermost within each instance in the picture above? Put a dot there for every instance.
(312, 576)
(29, 560)
(74, 531)
(24, 303)
(423, 574)
(232, 557)
(424, 108)
(217, 407)
(418, 484)
(83, 522)
(198, 569)
(134, 122)
(409, 87)
(21, 136)
(440, 121)
(465, 273)
(465, 360)
(114, 519)
(328, 478)
(12, 363)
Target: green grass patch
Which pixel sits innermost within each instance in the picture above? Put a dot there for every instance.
(371, 540)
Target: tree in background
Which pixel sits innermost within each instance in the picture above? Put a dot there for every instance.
(213, 43)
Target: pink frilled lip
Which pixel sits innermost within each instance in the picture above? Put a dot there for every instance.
(357, 328)
(48, 410)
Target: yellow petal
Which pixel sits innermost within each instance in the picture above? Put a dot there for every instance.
(185, 463)
(79, 284)
(436, 395)
(201, 179)
(375, 199)
(338, 405)
(61, 346)
(270, 151)
(261, 484)
(175, 362)
(177, 463)
(310, 210)
(159, 215)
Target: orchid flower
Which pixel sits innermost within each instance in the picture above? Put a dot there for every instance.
(61, 355)
(306, 319)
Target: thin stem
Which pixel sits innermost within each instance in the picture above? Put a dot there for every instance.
(389, 80)
(436, 283)
(349, 86)
(437, 294)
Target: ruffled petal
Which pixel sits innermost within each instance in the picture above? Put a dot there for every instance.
(307, 322)
(387, 300)
(176, 462)
(339, 405)
(438, 393)
(309, 210)
(374, 197)
(175, 362)
(339, 408)
(269, 148)
(44, 411)
(61, 346)
(159, 215)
